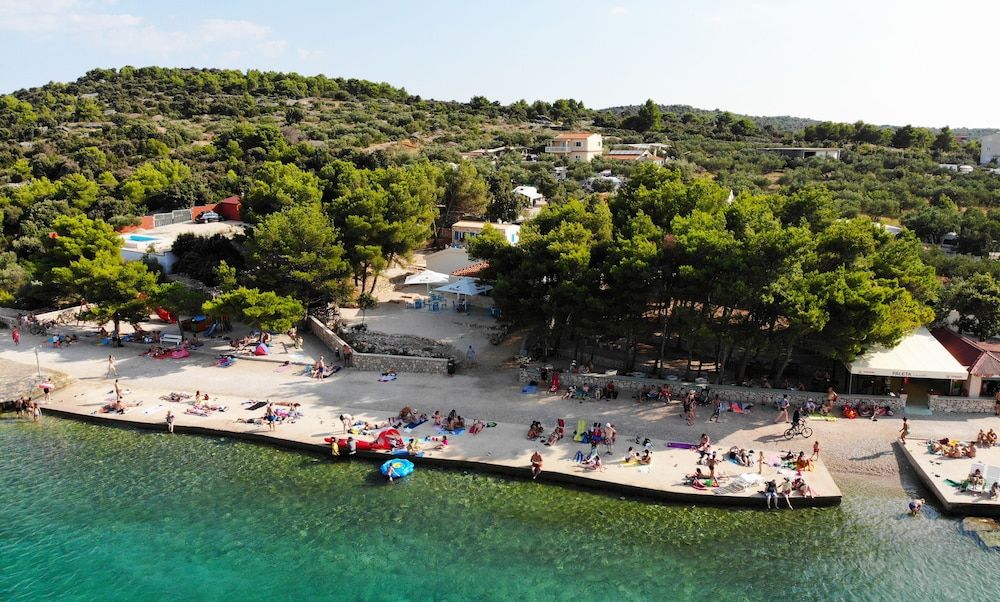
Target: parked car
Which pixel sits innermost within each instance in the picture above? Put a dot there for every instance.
(208, 216)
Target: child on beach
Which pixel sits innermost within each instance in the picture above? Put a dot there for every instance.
(903, 432)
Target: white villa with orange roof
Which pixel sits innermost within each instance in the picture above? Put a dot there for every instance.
(578, 146)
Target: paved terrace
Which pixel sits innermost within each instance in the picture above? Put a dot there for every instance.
(502, 449)
(935, 469)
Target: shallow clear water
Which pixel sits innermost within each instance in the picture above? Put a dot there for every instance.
(92, 512)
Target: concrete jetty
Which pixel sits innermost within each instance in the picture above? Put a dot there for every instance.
(501, 449)
(938, 472)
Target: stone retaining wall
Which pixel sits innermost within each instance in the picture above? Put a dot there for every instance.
(329, 338)
(630, 385)
(377, 362)
(940, 403)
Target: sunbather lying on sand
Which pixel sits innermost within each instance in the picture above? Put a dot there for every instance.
(251, 421)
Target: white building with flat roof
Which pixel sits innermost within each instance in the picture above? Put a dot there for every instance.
(990, 148)
(466, 229)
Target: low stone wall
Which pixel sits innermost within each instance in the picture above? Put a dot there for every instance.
(972, 405)
(329, 338)
(630, 385)
(377, 362)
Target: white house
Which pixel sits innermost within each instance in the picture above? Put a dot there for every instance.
(531, 193)
(578, 146)
(990, 148)
(466, 229)
(803, 152)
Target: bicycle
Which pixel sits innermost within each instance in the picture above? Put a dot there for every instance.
(799, 429)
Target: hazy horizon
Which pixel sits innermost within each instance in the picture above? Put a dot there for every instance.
(890, 62)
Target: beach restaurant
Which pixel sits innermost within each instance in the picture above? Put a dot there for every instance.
(918, 367)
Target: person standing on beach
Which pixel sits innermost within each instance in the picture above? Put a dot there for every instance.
(36, 411)
(347, 420)
(903, 432)
(118, 391)
(610, 435)
(760, 463)
(112, 369)
(352, 446)
(536, 465)
(996, 406)
(782, 410)
(815, 455)
(716, 409)
(170, 421)
(271, 417)
(15, 335)
(711, 462)
(348, 360)
(470, 357)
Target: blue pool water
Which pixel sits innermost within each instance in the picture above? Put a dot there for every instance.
(141, 238)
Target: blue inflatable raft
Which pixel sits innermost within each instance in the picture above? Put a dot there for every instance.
(400, 467)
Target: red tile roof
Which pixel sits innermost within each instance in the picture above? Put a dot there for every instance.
(233, 200)
(471, 270)
(966, 352)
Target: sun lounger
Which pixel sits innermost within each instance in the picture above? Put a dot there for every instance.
(992, 475)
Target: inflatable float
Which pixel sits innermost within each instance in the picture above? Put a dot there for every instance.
(400, 468)
(385, 439)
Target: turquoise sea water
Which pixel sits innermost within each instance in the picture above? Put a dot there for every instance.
(97, 513)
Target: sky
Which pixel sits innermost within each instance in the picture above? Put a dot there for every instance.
(891, 62)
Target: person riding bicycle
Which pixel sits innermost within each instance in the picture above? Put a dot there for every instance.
(796, 419)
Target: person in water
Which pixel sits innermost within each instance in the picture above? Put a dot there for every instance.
(916, 506)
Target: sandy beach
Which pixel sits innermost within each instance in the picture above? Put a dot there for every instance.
(848, 447)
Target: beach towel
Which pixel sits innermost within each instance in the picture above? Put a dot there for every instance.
(257, 405)
(680, 445)
(581, 431)
(526, 389)
(387, 377)
(413, 425)
(154, 409)
(735, 407)
(953, 483)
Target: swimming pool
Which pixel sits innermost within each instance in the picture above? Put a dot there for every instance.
(142, 238)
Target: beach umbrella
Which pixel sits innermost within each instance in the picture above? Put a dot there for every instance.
(466, 286)
(427, 277)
